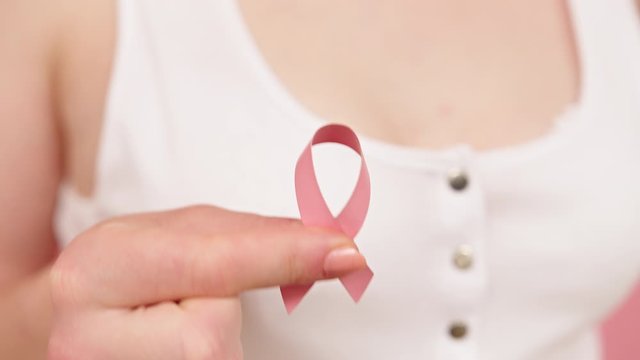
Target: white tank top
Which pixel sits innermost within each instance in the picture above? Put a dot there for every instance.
(525, 261)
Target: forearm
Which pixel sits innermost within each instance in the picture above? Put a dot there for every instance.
(25, 313)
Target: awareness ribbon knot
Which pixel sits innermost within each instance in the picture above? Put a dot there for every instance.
(315, 212)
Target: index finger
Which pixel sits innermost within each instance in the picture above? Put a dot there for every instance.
(143, 263)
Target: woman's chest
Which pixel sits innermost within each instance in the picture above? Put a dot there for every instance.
(424, 74)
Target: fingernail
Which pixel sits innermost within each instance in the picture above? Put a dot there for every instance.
(343, 261)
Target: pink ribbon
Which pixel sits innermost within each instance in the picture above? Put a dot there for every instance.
(315, 212)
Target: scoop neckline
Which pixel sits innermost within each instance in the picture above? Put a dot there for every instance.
(410, 156)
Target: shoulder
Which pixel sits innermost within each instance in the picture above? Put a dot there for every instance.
(47, 23)
(62, 40)
(55, 56)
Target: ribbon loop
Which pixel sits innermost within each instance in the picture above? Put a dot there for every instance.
(315, 212)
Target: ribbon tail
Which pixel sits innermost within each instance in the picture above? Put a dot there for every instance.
(357, 282)
(292, 295)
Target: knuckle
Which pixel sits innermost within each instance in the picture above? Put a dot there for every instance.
(64, 280)
(296, 272)
(205, 273)
(67, 275)
(108, 227)
(187, 266)
(196, 218)
(217, 279)
(286, 223)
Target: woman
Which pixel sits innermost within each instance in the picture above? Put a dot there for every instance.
(502, 141)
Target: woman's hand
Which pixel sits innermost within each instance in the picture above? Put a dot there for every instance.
(166, 285)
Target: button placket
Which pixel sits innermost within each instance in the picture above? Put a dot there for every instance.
(462, 214)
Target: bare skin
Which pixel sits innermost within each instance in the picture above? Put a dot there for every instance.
(166, 285)
(417, 88)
